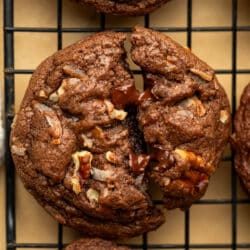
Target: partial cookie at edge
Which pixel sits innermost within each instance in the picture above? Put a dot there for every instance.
(240, 139)
(124, 7)
(94, 244)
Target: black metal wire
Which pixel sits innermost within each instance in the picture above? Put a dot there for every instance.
(9, 113)
(234, 88)
(218, 71)
(135, 246)
(10, 71)
(189, 44)
(145, 235)
(124, 29)
(59, 46)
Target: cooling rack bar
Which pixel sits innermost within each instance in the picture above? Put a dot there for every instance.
(127, 29)
(214, 201)
(233, 176)
(9, 112)
(134, 246)
(189, 44)
(136, 72)
(9, 77)
(59, 46)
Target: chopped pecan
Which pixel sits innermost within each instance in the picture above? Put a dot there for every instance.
(205, 76)
(55, 125)
(194, 101)
(42, 94)
(86, 141)
(190, 157)
(111, 157)
(97, 132)
(82, 164)
(115, 113)
(224, 116)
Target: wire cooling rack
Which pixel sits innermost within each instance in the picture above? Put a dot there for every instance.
(9, 74)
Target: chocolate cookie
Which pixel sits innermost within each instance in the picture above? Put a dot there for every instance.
(94, 244)
(124, 7)
(241, 137)
(184, 114)
(78, 152)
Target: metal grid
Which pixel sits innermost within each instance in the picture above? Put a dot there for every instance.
(10, 71)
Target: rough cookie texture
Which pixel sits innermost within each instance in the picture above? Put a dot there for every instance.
(240, 140)
(76, 148)
(184, 114)
(124, 7)
(94, 244)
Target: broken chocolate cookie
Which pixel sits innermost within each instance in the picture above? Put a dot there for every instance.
(75, 146)
(184, 114)
(241, 139)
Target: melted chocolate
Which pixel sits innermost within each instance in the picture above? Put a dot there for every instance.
(199, 180)
(145, 95)
(162, 156)
(125, 95)
(138, 162)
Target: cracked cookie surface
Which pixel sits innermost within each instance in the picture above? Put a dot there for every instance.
(184, 114)
(77, 150)
(76, 141)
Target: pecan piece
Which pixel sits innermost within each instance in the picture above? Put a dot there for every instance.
(82, 164)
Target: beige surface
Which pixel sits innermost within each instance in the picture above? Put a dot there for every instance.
(209, 224)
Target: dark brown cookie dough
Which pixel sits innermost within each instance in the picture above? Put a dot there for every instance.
(76, 150)
(185, 116)
(241, 139)
(124, 7)
(94, 244)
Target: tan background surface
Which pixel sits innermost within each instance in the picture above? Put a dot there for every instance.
(209, 223)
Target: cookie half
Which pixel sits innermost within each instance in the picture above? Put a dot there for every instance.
(124, 7)
(241, 137)
(94, 244)
(184, 114)
(77, 150)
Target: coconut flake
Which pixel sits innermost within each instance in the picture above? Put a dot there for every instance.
(101, 175)
(20, 151)
(185, 113)
(92, 195)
